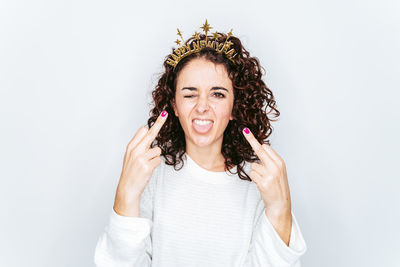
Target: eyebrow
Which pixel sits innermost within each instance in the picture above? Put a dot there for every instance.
(213, 88)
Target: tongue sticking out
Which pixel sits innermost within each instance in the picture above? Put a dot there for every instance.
(202, 128)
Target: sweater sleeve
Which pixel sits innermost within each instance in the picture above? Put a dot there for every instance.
(127, 241)
(268, 249)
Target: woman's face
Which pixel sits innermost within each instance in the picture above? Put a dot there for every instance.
(203, 92)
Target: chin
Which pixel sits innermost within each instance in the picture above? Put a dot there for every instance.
(202, 141)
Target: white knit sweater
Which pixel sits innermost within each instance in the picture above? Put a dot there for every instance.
(195, 217)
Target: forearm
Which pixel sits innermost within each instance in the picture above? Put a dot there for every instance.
(281, 219)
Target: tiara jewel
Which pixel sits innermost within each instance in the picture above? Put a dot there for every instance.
(197, 45)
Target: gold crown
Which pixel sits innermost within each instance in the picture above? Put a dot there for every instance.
(196, 46)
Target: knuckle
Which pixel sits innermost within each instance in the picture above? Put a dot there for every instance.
(276, 169)
(280, 163)
(129, 152)
(151, 132)
(146, 168)
(130, 147)
(135, 154)
(141, 161)
(269, 177)
(283, 163)
(264, 184)
(253, 165)
(260, 150)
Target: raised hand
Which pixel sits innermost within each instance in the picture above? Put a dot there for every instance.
(139, 163)
(270, 176)
(271, 180)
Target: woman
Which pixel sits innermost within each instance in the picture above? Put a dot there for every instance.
(219, 194)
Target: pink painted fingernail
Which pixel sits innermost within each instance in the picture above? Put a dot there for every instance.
(246, 130)
(163, 113)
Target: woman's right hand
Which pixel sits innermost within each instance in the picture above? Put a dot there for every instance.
(139, 163)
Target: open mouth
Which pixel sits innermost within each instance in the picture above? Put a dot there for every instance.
(202, 126)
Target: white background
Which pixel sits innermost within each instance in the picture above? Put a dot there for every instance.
(76, 77)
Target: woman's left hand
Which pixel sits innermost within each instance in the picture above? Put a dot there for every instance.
(270, 177)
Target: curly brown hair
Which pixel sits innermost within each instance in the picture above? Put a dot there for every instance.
(251, 101)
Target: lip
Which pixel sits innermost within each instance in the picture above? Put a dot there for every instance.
(202, 119)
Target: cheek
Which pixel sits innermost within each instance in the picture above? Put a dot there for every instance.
(184, 109)
(223, 110)
(181, 106)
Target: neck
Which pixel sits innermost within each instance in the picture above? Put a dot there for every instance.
(208, 157)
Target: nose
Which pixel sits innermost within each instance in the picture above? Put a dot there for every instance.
(202, 104)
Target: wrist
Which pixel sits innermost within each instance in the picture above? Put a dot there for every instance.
(280, 209)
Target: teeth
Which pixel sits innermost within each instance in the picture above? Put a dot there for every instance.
(202, 122)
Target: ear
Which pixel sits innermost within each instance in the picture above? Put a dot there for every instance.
(174, 107)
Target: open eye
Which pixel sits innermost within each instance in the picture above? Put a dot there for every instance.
(219, 95)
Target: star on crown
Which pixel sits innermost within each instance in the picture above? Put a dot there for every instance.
(197, 45)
